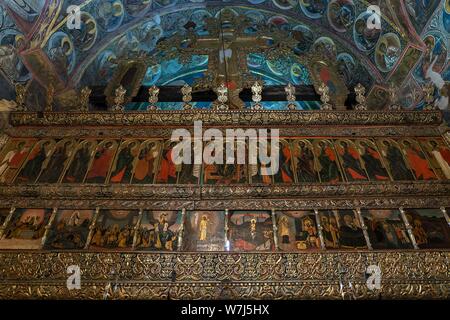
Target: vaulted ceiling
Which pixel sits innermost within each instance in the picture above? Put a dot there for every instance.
(410, 49)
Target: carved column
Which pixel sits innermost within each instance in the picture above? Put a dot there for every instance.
(408, 228)
(364, 228)
(319, 229)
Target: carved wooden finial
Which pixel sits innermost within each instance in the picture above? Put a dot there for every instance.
(153, 97)
(119, 99)
(324, 92)
(360, 97)
(84, 99)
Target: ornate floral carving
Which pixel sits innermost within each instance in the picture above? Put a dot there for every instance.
(224, 275)
(229, 117)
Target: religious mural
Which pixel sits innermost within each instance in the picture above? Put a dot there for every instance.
(56, 161)
(76, 172)
(352, 165)
(429, 227)
(26, 229)
(146, 164)
(114, 230)
(386, 229)
(342, 229)
(159, 231)
(89, 56)
(150, 162)
(225, 173)
(122, 168)
(328, 166)
(69, 230)
(99, 167)
(439, 155)
(305, 163)
(35, 162)
(297, 231)
(395, 160)
(13, 155)
(251, 231)
(204, 231)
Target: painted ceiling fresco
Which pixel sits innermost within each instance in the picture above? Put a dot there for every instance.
(410, 50)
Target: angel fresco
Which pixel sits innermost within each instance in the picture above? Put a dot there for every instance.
(26, 229)
(297, 231)
(204, 231)
(395, 160)
(439, 156)
(55, 164)
(158, 231)
(418, 161)
(13, 156)
(114, 229)
(85, 36)
(365, 37)
(251, 231)
(351, 161)
(429, 227)
(80, 162)
(305, 162)
(328, 166)
(34, 162)
(147, 162)
(373, 161)
(101, 162)
(123, 165)
(69, 230)
(386, 229)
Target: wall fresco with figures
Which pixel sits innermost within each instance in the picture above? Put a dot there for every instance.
(301, 160)
(226, 230)
(410, 48)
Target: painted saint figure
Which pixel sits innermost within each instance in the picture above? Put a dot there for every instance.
(167, 170)
(330, 231)
(397, 164)
(12, 160)
(124, 164)
(418, 162)
(329, 171)
(441, 155)
(305, 164)
(203, 228)
(351, 163)
(101, 163)
(373, 164)
(56, 164)
(284, 174)
(79, 164)
(146, 164)
(350, 233)
(32, 168)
